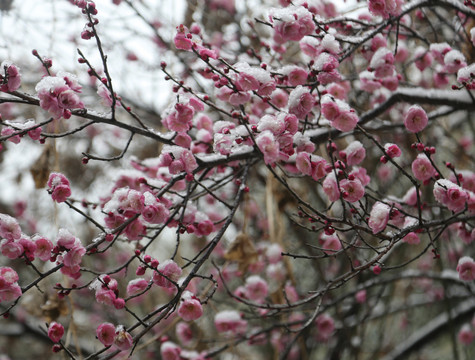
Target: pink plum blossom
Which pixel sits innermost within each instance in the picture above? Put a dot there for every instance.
(166, 271)
(170, 351)
(10, 249)
(385, 8)
(57, 97)
(136, 286)
(330, 243)
(454, 60)
(182, 40)
(295, 75)
(10, 133)
(9, 288)
(311, 165)
(58, 186)
(105, 94)
(301, 102)
(379, 217)
(155, 213)
(12, 79)
(9, 227)
(55, 331)
(184, 333)
(74, 256)
(330, 187)
(256, 288)
(415, 119)
(325, 327)
(246, 82)
(450, 195)
(292, 27)
(330, 108)
(190, 307)
(411, 238)
(360, 296)
(354, 153)
(352, 190)
(423, 58)
(105, 332)
(422, 168)
(123, 340)
(382, 62)
(268, 146)
(230, 321)
(392, 150)
(345, 121)
(466, 268)
(361, 174)
(465, 334)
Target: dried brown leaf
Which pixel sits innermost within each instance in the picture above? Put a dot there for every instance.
(242, 251)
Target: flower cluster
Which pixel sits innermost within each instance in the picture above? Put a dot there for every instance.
(59, 94)
(58, 187)
(9, 288)
(11, 80)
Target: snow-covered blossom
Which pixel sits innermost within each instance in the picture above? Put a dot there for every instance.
(190, 307)
(454, 60)
(330, 44)
(268, 146)
(58, 186)
(43, 247)
(123, 340)
(392, 150)
(301, 102)
(256, 288)
(11, 79)
(465, 334)
(423, 58)
(466, 268)
(136, 286)
(292, 24)
(438, 50)
(450, 195)
(178, 159)
(9, 288)
(354, 153)
(57, 97)
(9, 227)
(345, 121)
(379, 217)
(330, 187)
(385, 8)
(295, 75)
(170, 351)
(230, 321)
(466, 76)
(382, 63)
